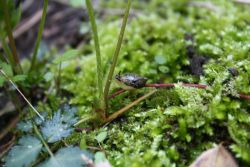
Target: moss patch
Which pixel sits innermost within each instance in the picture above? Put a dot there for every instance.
(175, 125)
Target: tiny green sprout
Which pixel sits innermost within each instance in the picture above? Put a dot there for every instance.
(130, 81)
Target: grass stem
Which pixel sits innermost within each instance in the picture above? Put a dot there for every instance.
(39, 36)
(43, 141)
(98, 53)
(15, 86)
(116, 53)
(8, 53)
(14, 56)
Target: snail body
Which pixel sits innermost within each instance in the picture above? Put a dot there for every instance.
(130, 81)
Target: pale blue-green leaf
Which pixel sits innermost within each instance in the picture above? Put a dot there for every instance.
(38, 119)
(69, 115)
(60, 126)
(24, 153)
(69, 157)
(54, 130)
(24, 126)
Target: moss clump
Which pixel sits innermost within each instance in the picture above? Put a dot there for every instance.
(175, 125)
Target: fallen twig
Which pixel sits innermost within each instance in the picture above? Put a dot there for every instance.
(18, 90)
(121, 111)
(164, 85)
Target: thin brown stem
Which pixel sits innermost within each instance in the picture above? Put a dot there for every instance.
(173, 84)
(199, 86)
(117, 93)
(243, 96)
(121, 111)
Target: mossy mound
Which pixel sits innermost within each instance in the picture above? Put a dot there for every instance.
(175, 125)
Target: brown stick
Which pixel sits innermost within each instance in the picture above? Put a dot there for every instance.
(116, 93)
(28, 23)
(173, 84)
(243, 96)
(199, 86)
(121, 111)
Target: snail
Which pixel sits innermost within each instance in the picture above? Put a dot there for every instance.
(130, 81)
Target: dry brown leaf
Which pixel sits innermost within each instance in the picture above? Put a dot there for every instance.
(243, 1)
(215, 157)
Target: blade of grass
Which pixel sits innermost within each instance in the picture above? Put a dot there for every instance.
(39, 36)
(98, 53)
(7, 51)
(15, 86)
(43, 141)
(58, 79)
(3, 58)
(13, 56)
(116, 53)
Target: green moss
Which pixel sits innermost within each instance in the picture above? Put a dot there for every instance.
(175, 125)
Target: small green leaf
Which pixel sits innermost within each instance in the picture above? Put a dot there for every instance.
(159, 59)
(83, 144)
(163, 69)
(70, 54)
(6, 68)
(77, 3)
(101, 136)
(17, 78)
(48, 76)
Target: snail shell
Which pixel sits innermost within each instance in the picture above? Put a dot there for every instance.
(132, 81)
